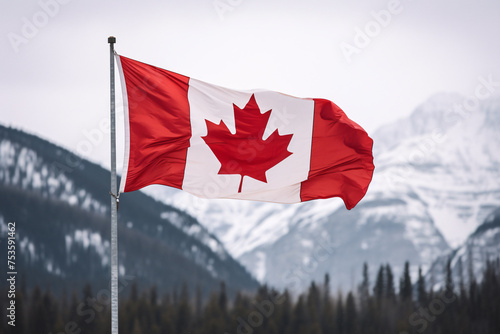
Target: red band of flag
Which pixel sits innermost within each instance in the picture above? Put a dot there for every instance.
(216, 142)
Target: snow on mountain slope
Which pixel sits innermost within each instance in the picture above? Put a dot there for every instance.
(60, 203)
(437, 177)
(469, 260)
(452, 165)
(240, 225)
(23, 167)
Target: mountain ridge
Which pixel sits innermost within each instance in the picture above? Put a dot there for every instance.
(436, 179)
(468, 261)
(41, 182)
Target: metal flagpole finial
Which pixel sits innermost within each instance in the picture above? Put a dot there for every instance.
(111, 39)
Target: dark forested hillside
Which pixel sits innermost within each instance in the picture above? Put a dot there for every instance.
(388, 305)
(60, 204)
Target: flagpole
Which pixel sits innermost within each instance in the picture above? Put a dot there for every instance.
(114, 196)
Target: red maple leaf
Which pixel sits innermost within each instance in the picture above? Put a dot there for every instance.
(246, 153)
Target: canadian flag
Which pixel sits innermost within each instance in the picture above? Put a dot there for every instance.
(215, 142)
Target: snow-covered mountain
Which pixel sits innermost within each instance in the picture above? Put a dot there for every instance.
(60, 204)
(468, 261)
(448, 156)
(437, 177)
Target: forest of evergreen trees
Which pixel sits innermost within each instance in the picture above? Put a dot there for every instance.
(387, 306)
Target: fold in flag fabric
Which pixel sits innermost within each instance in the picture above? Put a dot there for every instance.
(215, 142)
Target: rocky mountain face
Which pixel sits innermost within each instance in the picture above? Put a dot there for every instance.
(468, 262)
(60, 205)
(436, 181)
(437, 177)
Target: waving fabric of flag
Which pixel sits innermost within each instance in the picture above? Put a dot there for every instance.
(215, 142)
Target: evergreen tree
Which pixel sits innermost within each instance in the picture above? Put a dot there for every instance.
(72, 314)
(474, 301)
(89, 320)
(274, 329)
(390, 292)
(134, 292)
(490, 287)
(449, 286)
(460, 269)
(350, 315)
(449, 318)
(154, 308)
(300, 319)
(327, 314)
(314, 312)
(50, 311)
(284, 313)
(389, 307)
(38, 321)
(326, 287)
(462, 292)
(422, 293)
(340, 317)
(21, 316)
(405, 286)
(213, 318)
(223, 298)
(198, 308)
(136, 329)
(184, 314)
(405, 305)
(153, 296)
(470, 266)
(364, 288)
(314, 308)
(328, 318)
(379, 287)
(64, 313)
(313, 303)
(167, 323)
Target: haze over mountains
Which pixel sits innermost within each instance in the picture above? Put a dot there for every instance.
(437, 178)
(60, 204)
(467, 262)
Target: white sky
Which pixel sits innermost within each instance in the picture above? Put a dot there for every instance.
(54, 79)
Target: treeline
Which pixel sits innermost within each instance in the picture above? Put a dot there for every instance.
(384, 307)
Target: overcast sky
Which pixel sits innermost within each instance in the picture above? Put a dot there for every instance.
(376, 59)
